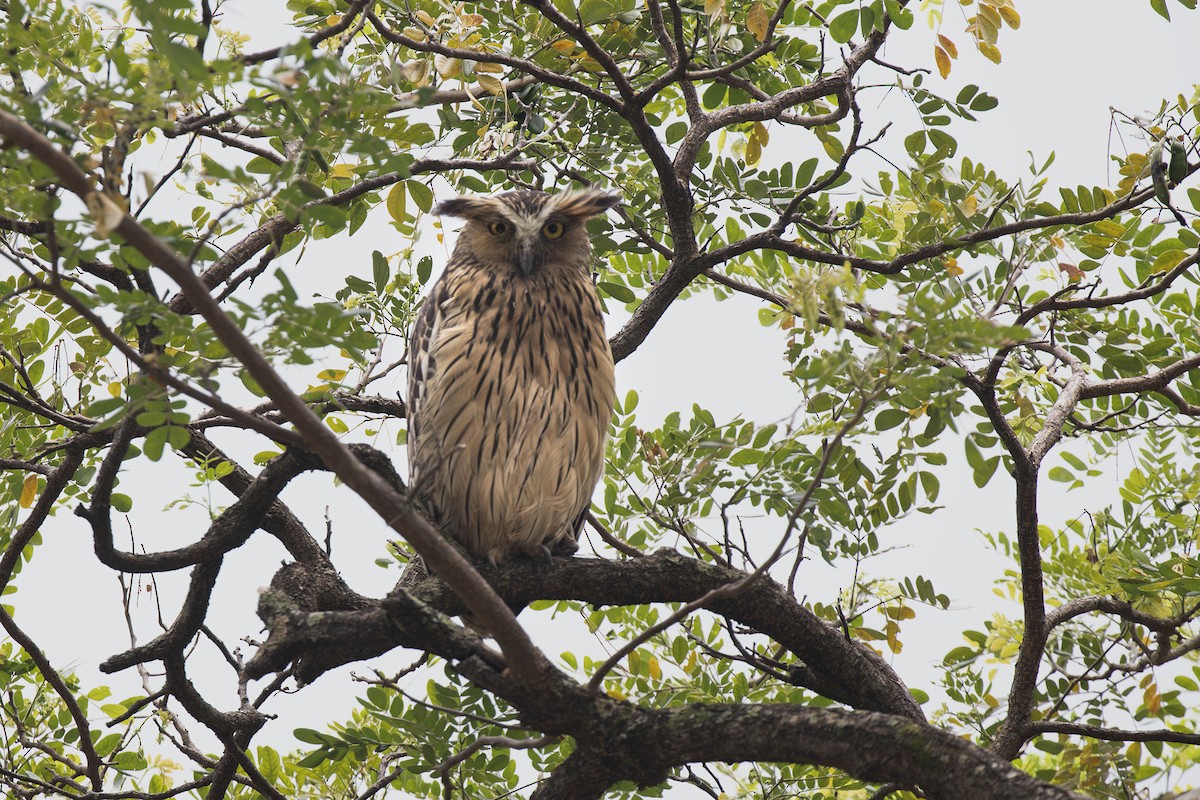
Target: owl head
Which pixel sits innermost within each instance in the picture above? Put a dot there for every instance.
(528, 230)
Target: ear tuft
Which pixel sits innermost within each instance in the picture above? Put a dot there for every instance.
(464, 206)
(586, 203)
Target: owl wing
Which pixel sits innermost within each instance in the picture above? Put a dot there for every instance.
(421, 364)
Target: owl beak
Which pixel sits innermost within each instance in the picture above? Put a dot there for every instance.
(525, 261)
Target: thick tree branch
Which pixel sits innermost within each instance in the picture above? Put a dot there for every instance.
(832, 665)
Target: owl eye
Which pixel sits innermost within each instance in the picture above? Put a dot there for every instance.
(498, 228)
(552, 230)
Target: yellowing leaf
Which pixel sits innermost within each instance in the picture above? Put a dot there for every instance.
(714, 7)
(1153, 699)
(654, 668)
(969, 205)
(893, 637)
(1110, 228)
(943, 61)
(1168, 260)
(1011, 16)
(564, 46)
(753, 152)
(490, 84)
(990, 15)
(948, 45)
(333, 375)
(114, 388)
(333, 19)
(395, 202)
(425, 18)
(29, 490)
(342, 171)
(990, 51)
(588, 63)
(757, 20)
(952, 267)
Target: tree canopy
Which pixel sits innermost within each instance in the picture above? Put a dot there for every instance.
(161, 188)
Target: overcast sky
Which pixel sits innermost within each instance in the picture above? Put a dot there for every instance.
(1068, 64)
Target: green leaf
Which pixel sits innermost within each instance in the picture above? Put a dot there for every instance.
(616, 291)
(843, 26)
(984, 102)
(154, 443)
(380, 271)
(261, 166)
(422, 195)
(309, 736)
(424, 269)
(985, 471)
(185, 59)
(914, 143)
(898, 14)
(251, 384)
(1061, 474)
(593, 11)
(130, 761)
(714, 96)
(151, 419)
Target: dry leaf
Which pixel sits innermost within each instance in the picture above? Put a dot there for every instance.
(757, 21)
(1074, 273)
(448, 67)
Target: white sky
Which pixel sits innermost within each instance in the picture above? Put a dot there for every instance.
(1070, 61)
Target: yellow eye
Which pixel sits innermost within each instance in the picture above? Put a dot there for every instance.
(498, 228)
(552, 230)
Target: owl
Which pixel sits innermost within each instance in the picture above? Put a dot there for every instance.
(511, 378)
